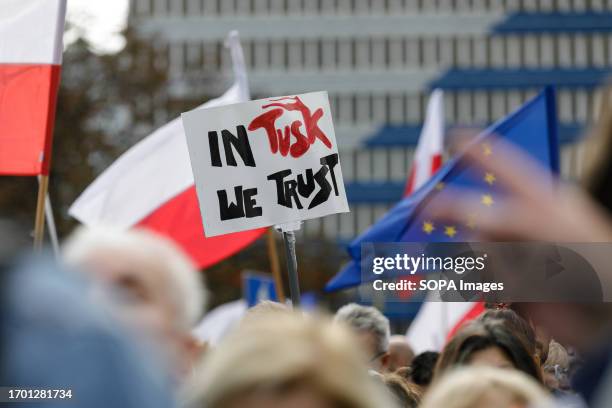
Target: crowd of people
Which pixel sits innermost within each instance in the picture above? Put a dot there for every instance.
(124, 316)
(112, 322)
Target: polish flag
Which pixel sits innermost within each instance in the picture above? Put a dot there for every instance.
(30, 59)
(428, 155)
(151, 186)
(437, 321)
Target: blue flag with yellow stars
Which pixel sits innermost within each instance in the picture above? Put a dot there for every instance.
(532, 127)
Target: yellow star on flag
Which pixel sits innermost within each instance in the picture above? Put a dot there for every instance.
(490, 178)
(428, 227)
(450, 230)
(439, 186)
(486, 149)
(487, 200)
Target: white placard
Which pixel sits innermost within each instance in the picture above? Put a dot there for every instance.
(265, 162)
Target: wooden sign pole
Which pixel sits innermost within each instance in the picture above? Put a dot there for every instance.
(39, 222)
(275, 265)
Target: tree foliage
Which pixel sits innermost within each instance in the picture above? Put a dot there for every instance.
(105, 104)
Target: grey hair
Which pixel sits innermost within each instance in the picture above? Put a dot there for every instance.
(366, 319)
(186, 289)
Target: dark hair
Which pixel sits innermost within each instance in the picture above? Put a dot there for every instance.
(481, 335)
(519, 326)
(422, 367)
(406, 394)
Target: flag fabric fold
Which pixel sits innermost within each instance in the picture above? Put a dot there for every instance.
(30, 63)
(428, 154)
(532, 128)
(151, 186)
(145, 177)
(436, 321)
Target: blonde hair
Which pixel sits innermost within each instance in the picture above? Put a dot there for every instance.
(186, 288)
(265, 308)
(476, 386)
(283, 349)
(406, 393)
(557, 355)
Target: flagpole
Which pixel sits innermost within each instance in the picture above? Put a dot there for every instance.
(294, 286)
(275, 265)
(51, 226)
(240, 76)
(39, 221)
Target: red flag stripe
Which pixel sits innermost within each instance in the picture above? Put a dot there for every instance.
(410, 184)
(472, 314)
(28, 94)
(436, 162)
(180, 220)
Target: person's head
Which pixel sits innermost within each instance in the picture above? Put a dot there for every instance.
(400, 353)
(406, 395)
(488, 343)
(263, 309)
(372, 329)
(484, 387)
(542, 337)
(422, 368)
(556, 367)
(515, 323)
(154, 285)
(285, 360)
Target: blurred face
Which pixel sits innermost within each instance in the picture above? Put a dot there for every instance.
(556, 377)
(400, 355)
(550, 380)
(378, 361)
(139, 288)
(492, 357)
(138, 282)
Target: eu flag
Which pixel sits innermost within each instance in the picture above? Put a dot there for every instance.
(532, 127)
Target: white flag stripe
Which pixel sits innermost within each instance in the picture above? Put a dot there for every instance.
(434, 321)
(150, 173)
(431, 140)
(31, 31)
(154, 170)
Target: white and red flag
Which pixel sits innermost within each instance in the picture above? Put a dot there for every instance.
(428, 154)
(151, 186)
(436, 321)
(30, 59)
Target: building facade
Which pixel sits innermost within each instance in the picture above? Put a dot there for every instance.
(379, 59)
